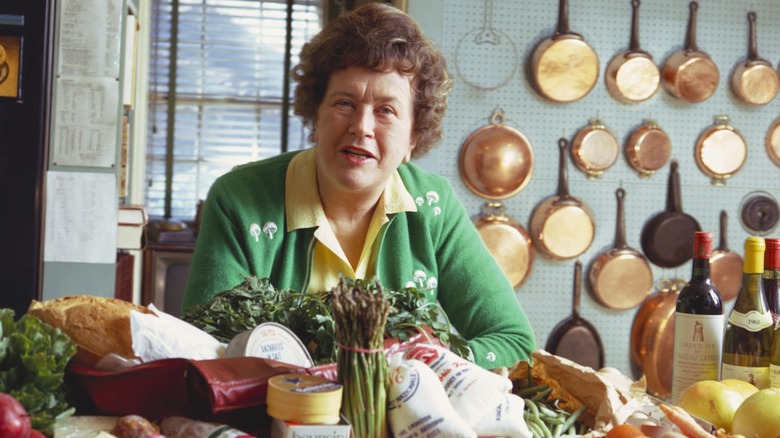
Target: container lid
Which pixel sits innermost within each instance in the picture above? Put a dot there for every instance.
(270, 340)
(304, 399)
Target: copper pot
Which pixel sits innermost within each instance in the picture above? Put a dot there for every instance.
(648, 148)
(496, 161)
(564, 68)
(594, 149)
(690, 74)
(754, 81)
(720, 151)
(632, 75)
(507, 241)
(772, 142)
(562, 227)
(725, 264)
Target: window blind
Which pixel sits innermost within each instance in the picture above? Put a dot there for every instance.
(226, 96)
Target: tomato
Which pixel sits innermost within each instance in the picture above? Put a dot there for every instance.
(14, 421)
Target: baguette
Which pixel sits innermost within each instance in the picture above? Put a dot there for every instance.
(97, 325)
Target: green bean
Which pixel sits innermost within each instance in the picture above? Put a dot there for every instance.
(542, 394)
(574, 416)
(542, 425)
(527, 392)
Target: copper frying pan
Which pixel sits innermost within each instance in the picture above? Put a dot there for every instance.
(562, 227)
(575, 338)
(690, 74)
(725, 264)
(667, 237)
(496, 161)
(648, 148)
(754, 81)
(564, 68)
(652, 336)
(632, 75)
(620, 278)
(507, 241)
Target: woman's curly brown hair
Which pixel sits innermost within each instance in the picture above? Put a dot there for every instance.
(380, 37)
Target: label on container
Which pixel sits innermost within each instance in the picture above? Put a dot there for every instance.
(757, 376)
(270, 340)
(698, 340)
(774, 376)
(753, 320)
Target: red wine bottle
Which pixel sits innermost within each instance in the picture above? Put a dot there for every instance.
(698, 326)
(771, 277)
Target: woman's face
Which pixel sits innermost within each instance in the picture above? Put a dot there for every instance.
(363, 130)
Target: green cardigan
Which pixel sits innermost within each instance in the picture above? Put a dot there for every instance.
(242, 232)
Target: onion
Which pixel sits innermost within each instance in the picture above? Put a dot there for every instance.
(14, 420)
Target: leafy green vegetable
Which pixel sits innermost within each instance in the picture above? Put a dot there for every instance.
(33, 357)
(310, 316)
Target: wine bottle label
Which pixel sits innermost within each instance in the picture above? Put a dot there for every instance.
(774, 376)
(753, 320)
(698, 340)
(758, 376)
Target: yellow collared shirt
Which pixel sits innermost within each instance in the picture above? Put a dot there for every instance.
(304, 210)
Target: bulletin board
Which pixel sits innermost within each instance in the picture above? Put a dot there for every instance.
(500, 79)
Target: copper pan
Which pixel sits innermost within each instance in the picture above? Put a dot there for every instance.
(652, 336)
(564, 68)
(594, 149)
(562, 227)
(496, 161)
(772, 142)
(725, 264)
(507, 241)
(720, 151)
(648, 148)
(632, 75)
(754, 81)
(690, 74)
(620, 277)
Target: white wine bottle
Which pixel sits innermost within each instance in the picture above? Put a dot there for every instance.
(747, 340)
(698, 323)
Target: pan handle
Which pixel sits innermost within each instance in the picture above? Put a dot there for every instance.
(673, 196)
(563, 185)
(724, 241)
(634, 45)
(620, 228)
(563, 17)
(577, 287)
(752, 40)
(690, 42)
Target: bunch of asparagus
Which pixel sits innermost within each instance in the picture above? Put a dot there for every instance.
(360, 312)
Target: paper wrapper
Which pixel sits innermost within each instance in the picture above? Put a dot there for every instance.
(162, 336)
(610, 396)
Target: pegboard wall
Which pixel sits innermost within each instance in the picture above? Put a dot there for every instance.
(605, 25)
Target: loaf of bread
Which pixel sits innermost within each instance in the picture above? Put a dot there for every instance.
(97, 325)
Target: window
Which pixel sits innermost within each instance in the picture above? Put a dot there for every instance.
(226, 94)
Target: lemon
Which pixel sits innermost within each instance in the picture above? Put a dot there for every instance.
(759, 415)
(712, 401)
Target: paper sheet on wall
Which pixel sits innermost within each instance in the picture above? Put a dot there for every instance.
(91, 45)
(81, 217)
(85, 122)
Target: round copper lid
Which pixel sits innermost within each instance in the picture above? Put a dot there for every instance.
(772, 142)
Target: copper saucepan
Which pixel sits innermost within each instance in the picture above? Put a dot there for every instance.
(507, 241)
(754, 80)
(594, 149)
(772, 142)
(648, 148)
(564, 68)
(496, 161)
(620, 277)
(652, 338)
(725, 264)
(632, 75)
(690, 74)
(562, 227)
(720, 151)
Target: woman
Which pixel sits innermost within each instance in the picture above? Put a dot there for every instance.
(374, 90)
